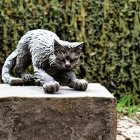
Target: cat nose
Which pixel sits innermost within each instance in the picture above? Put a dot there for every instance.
(67, 66)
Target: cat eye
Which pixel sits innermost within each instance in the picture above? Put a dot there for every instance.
(74, 59)
(61, 59)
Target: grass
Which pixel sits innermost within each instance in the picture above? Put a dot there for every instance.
(126, 105)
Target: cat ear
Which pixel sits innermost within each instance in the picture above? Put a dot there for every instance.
(78, 47)
(57, 46)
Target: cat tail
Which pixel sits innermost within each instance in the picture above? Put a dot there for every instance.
(8, 68)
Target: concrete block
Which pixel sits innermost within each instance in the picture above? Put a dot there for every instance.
(27, 113)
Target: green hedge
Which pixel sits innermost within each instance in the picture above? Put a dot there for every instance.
(110, 30)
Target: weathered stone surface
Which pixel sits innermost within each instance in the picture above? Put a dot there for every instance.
(26, 113)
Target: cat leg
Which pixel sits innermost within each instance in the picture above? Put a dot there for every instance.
(69, 79)
(28, 79)
(22, 62)
(47, 81)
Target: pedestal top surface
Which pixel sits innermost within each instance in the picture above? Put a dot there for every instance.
(93, 90)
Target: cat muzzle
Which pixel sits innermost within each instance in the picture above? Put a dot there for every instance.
(67, 66)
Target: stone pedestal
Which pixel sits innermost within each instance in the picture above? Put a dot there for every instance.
(27, 113)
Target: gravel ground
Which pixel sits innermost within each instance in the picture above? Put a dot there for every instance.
(128, 127)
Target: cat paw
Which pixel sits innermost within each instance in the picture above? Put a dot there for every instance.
(51, 87)
(79, 84)
(28, 79)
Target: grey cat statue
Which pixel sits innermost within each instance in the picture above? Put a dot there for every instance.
(53, 61)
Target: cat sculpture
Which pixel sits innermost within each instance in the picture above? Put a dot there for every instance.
(53, 62)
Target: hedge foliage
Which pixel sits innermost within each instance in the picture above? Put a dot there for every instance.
(109, 28)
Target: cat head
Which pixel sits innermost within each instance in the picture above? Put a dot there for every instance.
(67, 56)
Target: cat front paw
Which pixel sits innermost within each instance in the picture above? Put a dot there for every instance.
(51, 87)
(79, 84)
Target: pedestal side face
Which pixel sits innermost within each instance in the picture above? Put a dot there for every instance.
(64, 118)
